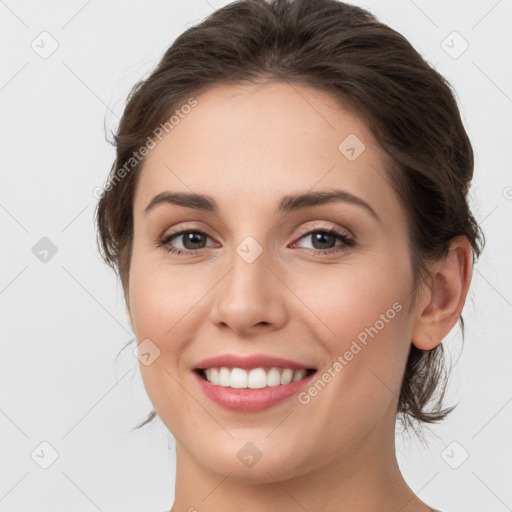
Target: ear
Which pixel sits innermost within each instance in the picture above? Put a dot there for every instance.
(444, 296)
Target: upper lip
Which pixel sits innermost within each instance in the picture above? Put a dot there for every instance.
(250, 362)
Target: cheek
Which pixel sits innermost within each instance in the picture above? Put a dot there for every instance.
(161, 308)
(365, 310)
(354, 297)
(160, 297)
(168, 306)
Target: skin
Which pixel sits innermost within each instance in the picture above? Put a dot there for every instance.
(247, 146)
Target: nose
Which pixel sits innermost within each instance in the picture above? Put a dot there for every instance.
(251, 297)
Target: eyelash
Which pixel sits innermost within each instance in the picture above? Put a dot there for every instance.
(347, 241)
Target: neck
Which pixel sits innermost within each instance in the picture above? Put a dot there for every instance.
(367, 478)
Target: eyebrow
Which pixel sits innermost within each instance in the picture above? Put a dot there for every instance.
(287, 204)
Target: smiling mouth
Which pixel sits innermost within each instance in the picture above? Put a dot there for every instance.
(256, 378)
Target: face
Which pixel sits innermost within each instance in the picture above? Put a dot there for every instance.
(261, 275)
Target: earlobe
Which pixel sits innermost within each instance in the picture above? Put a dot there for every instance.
(444, 295)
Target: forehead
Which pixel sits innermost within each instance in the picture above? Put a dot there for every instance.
(253, 143)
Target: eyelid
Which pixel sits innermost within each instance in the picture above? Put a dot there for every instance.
(322, 227)
(302, 231)
(184, 227)
(347, 241)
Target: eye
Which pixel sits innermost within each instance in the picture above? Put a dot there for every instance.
(192, 240)
(323, 240)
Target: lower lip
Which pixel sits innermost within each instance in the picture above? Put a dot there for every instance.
(250, 400)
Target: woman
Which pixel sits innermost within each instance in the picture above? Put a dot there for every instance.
(288, 215)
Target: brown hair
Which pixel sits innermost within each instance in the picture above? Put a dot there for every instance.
(370, 68)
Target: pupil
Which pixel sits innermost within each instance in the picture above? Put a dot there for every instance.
(315, 239)
(193, 238)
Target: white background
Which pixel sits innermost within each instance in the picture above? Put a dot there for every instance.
(62, 322)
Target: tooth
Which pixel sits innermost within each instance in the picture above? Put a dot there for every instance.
(286, 376)
(224, 377)
(299, 374)
(274, 377)
(238, 378)
(257, 379)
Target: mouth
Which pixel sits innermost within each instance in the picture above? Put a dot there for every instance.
(255, 378)
(251, 390)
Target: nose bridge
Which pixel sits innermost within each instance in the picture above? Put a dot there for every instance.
(250, 246)
(249, 293)
(248, 263)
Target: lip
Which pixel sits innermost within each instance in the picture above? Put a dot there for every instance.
(250, 400)
(250, 362)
